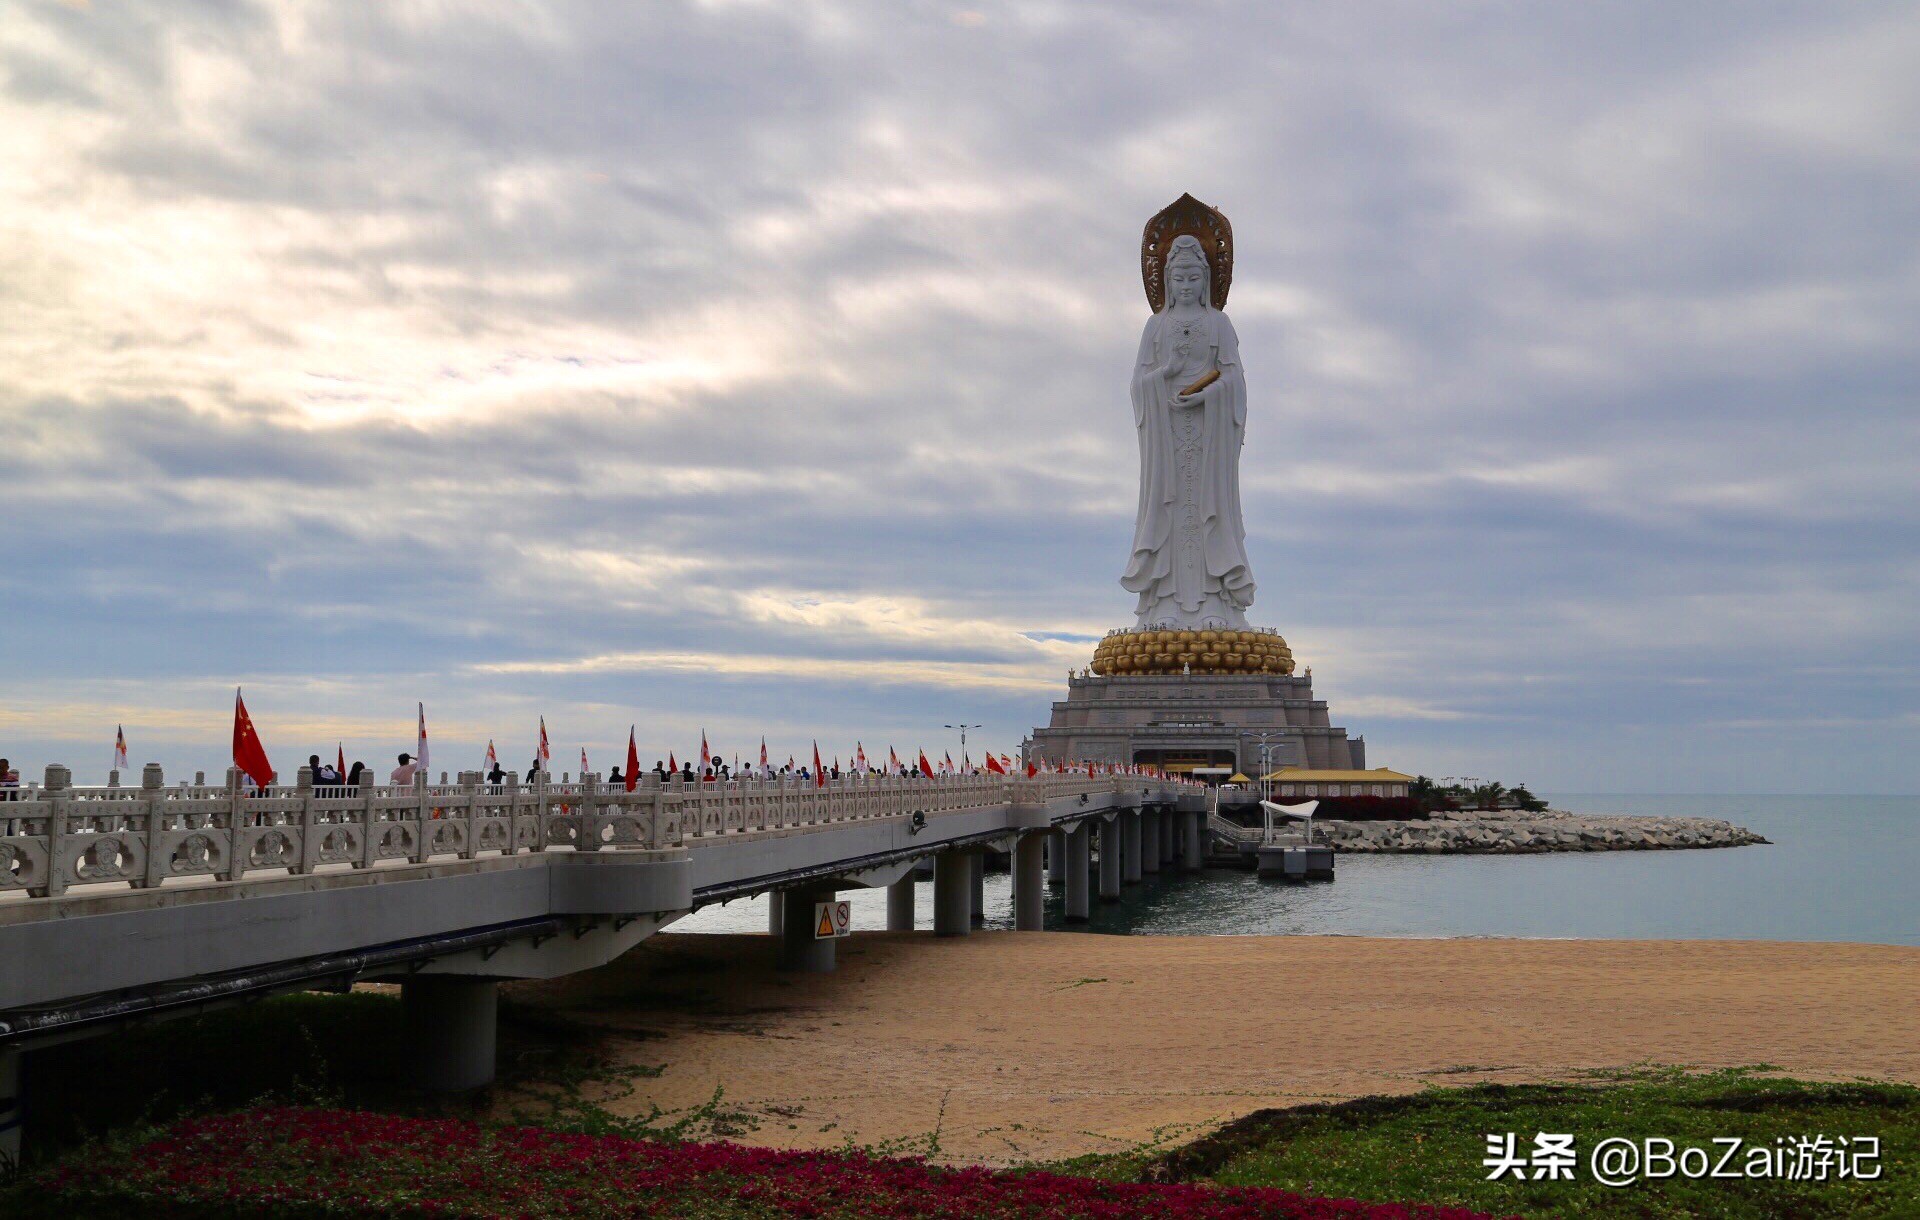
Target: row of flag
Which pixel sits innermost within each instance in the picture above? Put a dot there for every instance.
(251, 757)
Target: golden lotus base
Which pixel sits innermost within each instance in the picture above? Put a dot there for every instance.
(1198, 652)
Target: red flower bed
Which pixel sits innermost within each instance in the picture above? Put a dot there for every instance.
(287, 1162)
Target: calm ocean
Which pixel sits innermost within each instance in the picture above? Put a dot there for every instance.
(1839, 868)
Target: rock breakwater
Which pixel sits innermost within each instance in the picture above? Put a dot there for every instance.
(1516, 833)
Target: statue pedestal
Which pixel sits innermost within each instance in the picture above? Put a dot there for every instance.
(1182, 721)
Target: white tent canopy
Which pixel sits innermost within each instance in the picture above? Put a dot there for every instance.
(1302, 811)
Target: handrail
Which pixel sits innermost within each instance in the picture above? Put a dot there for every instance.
(56, 836)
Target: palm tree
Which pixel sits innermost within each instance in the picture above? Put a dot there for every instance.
(1487, 795)
(1527, 800)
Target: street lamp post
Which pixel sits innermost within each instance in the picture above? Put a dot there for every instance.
(963, 736)
(1266, 741)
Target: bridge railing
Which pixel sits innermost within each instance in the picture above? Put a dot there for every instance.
(58, 836)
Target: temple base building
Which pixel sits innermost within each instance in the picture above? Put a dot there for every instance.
(1253, 723)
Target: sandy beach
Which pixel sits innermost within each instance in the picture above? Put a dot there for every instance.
(1043, 1045)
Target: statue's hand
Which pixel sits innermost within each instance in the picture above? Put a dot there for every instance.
(1186, 402)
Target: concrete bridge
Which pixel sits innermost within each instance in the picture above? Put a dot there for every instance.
(120, 904)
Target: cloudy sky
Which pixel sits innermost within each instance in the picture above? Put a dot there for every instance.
(762, 367)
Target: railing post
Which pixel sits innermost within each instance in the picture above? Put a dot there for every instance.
(309, 841)
(657, 797)
(470, 787)
(151, 783)
(236, 826)
(58, 781)
(423, 813)
(369, 838)
(540, 807)
(510, 792)
(589, 813)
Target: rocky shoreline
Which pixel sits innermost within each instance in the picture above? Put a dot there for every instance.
(1514, 833)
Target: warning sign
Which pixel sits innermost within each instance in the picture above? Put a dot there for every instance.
(831, 919)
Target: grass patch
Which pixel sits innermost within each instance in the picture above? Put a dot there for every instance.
(312, 1049)
(1430, 1146)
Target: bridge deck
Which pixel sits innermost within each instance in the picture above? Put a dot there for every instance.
(103, 890)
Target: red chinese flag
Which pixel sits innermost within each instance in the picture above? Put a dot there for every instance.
(993, 765)
(926, 768)
(673, 761)
(340, 758)
(633, 760)
(248, 754)
(1032, 770)
(819, 776)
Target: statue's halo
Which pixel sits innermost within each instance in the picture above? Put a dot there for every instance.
(1186, 215)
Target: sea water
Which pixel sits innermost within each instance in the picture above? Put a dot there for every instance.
(1839, 868)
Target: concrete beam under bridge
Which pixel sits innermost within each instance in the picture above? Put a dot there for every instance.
(1110, 849)
(800, 948)
(900, 903)
(450, 1031)
(977, 888)
(952, 893)
(1029, 884)
(1078, 850)
(1150, 823)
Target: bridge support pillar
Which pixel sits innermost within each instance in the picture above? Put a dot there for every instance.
(776, 909)
(1057, 857)
(1130, 837)
(1029, 892)
(1078, 854)
(1110, 836)
(11, 1106)
(900, 896)
(977, 914)
(1169, 834)
(800, 949)
(952, 893)
(1192, 850)
(450, 1025)
(1150, 820)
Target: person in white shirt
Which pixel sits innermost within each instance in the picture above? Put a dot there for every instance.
(404, 773)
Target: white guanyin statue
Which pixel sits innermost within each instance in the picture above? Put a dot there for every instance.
(1189, 561)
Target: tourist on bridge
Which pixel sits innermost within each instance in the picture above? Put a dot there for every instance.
(614, 777)
(659, 770)
(323, 773)
(686, 773)
(498, 775)
(403, 774)
(356, 774)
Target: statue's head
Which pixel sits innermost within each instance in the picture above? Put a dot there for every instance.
(1187, 273)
